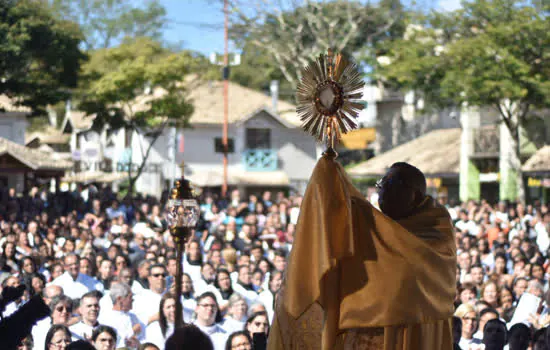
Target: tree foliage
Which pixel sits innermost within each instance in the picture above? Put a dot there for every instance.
(488, 53)
(141, 87)
(290, 34)
(39, 55)
(107, 22)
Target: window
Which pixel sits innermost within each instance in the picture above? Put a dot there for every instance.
(218, 145)
(258, 138)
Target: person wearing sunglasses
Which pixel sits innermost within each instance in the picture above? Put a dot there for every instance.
(257, 323)
(61, 308)
(147, 303)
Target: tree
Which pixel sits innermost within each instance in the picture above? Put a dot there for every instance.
(292, 35)
(140, 87)
(107, 22)
(39, 56)
(497, 55)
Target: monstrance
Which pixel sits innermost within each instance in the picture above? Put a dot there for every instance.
(329, 98)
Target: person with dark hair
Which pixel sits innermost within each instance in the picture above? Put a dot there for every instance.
(104, 338)
(207, 318)
(485, 316)
(158, 331)
(495, 335)
(74, 283)
(89, 312)
(224, 288)
(147, 303)
(57, 338)
(239, 341)
(267, 297)
(257, 323)
(190, 337)
(519, 337)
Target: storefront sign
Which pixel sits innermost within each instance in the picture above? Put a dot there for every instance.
(433, 182)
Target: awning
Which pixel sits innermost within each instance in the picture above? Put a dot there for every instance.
(358, 139)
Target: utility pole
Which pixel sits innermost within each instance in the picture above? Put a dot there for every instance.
(225, 94)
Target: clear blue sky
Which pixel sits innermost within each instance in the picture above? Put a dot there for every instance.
(198, 24)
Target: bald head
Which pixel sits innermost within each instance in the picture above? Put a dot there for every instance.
(51, 292)
(401, 190)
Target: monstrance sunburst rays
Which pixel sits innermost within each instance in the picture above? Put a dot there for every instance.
(329, 97)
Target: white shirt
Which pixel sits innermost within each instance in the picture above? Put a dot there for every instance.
(189, 306)
(122, 322)
(153, 334)
(146, 304)
(82, 331)
(249, 295)
(39, 332)
(231, 325)
(76, 289)
(217, 334)
(266, 298)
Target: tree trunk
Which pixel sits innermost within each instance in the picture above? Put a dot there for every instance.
(518, 170)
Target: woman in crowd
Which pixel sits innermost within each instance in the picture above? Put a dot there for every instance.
(57, 338)
(8, 257)
(468, 316)
(267, 297)
(224, 289)
(257, 323)
(490, 293)
(239, 341)
(158, 331)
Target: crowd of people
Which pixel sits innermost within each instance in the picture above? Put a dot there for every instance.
(106, 267)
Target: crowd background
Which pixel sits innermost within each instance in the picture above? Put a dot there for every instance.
(106, 266)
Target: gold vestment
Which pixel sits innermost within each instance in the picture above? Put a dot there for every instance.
(357, 279)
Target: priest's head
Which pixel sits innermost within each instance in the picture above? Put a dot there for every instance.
(401, 190)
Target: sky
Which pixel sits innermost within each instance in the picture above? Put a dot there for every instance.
(198, 24)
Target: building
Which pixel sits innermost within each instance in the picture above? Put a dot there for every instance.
(269, 149)
(20, 166)
(537, 172)
(436, 154)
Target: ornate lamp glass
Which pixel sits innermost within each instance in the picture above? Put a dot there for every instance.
(182, 211)
(182, 214)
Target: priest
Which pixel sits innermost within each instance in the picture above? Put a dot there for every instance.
(360, 278)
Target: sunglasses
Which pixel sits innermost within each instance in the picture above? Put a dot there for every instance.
(60, 308)
(258, 324)
(157, 275)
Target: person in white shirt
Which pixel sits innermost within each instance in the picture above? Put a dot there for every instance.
(206, 282)
(75, 284)
(236, 316)
(207, 313)
(126, 324)
(158, 331)
(89, 312)
(267, 297)
(147, 303)
(61, 309)
(243, 286)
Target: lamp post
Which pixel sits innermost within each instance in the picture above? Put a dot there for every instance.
(182, 215)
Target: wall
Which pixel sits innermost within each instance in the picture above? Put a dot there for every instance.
(13, 126)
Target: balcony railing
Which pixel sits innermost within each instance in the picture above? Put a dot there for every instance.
(260, 160)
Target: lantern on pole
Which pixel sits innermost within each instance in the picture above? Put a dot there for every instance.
(182, 215)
